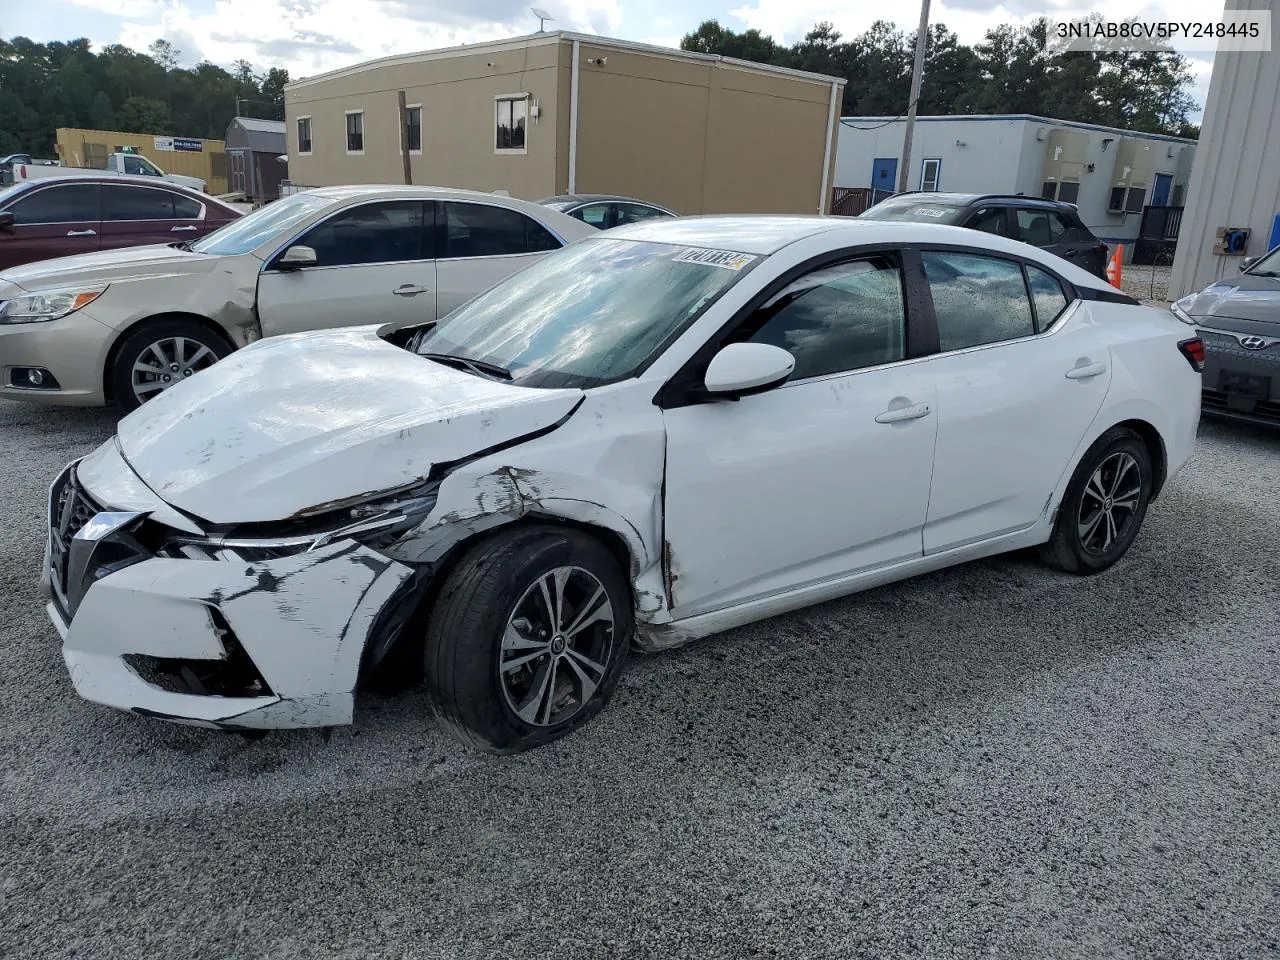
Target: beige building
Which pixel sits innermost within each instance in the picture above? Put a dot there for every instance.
(558, 113)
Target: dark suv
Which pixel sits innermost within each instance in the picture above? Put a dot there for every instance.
(1048, 224)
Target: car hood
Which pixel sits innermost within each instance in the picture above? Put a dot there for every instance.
(1245, 297)
(299, 425)
(128, 262)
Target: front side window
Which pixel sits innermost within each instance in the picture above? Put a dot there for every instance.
(837, 319)
(593, 313)
(1047, 296)
(510, 123)
(990, 220)
(304, 134)
(387, 232)
(977, 299)
(264, 224)
(63, 203)
(355, 132)
(140, 167)
(481, 230)
(136, 203)
(413, 128)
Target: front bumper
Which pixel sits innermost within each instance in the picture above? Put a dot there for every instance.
(220, 643)
(1241, 383)
(72, 349)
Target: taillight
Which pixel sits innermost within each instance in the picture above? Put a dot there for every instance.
(22, 171)
(1193, 350)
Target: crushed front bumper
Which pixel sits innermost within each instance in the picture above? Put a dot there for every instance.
(220, 643)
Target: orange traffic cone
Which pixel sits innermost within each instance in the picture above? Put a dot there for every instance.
(1115, 266)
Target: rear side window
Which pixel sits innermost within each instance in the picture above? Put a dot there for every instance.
(977, 299)
(185, 208)
(63, 203)
(636, 212)
(596, 214)
(387, 232)
(1040, 228)
(136, 203)
(481, 230)
(1047, 297)
(837, 319)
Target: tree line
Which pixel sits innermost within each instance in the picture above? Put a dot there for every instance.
(44, 86)
(1010, 71)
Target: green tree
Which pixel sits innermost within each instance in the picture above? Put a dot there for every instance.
(141, 115)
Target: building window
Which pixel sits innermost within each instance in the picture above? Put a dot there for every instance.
(1050, 190)
(1116, 203)
(355, 131)
(413, 127)
(509, 121)
(304, 135)
(930, 170)
(1069, 191)
(1137, 198)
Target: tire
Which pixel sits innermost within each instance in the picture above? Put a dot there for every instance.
(1122, 464)
(201, 348)
(491, 613)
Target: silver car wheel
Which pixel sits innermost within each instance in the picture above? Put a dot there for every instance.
(1110, 503)
(557, 646)
(168, 361)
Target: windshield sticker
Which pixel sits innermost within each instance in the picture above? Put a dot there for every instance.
(929, 212)
(716, 258)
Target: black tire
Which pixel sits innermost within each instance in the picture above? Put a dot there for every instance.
(136, 347)
(482, 597)
(1079, 547)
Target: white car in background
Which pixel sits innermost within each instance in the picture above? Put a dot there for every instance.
(121, 326)
(662, 432)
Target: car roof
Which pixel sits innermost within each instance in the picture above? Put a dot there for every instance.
(393, 191)
(118, 178)
(595, 198)
(969, 199)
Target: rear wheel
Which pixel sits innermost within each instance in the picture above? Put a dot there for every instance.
(160, 354)
(1104, 506)
(527, 638)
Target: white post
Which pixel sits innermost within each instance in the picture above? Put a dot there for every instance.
(573, 120)
(826, 153)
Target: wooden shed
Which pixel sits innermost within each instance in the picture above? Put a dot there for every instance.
(254, 148)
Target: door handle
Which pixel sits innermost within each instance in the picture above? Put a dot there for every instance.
(82, 233)
(408, 290)
(897, 415)
(1083, 371)
(187, 229)
(1071, 254)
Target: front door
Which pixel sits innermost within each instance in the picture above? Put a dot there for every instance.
(373, 265)
(884, 174)
(56, 220)
(1160, 193)
(824, 476)
(999, 460)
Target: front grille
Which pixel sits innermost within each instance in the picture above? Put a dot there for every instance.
(1223, 346)
(70, 508)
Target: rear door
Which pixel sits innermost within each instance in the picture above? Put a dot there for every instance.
(133, 215)
(57, 220)
(374, 265)
(481, 244)
(1052, 231)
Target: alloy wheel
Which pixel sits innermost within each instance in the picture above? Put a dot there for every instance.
(168, 361)
(1109, 503)
(557, 646)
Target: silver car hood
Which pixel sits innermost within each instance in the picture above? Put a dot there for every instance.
(1246, 297)
(297, 425)
(125, 263)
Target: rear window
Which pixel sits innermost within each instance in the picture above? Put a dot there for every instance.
(919, 212)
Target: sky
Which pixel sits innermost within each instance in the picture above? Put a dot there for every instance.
(311, 36)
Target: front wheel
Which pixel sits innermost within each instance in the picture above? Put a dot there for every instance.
(1104, 506)
(527, 638)
(157, 355)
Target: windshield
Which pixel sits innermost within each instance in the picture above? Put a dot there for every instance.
(1267, 265)
(917, 212)
(255, 229)
(591, 314)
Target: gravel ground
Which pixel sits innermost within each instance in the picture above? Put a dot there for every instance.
(1150, 284)
(991, 761)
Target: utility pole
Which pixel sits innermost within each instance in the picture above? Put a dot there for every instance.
(917, 75)
(404, 137)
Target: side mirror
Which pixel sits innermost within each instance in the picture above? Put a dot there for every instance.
(1245, 264)
(740, 369)
(297, 257)
(6, 220)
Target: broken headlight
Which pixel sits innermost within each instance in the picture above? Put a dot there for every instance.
(377, 524)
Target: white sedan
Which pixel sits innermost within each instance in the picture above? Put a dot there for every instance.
(655, 434)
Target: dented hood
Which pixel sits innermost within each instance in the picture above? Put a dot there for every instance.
(296, 425)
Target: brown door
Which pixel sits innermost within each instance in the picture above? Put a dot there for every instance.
(57, 220)
(134, 215)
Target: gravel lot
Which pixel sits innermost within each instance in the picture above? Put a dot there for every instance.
(991, 761)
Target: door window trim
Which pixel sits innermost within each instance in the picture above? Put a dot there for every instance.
(429, 238)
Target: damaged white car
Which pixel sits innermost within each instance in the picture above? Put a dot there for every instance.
(652, 435)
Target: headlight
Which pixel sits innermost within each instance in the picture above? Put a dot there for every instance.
(48, 305)
(1178, 311)
(376, 524)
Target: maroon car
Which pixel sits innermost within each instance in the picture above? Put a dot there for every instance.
(62, 216)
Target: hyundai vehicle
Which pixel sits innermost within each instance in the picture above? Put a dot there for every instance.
(1049, 224)
(1239, 320)
(655, 434)
(120, 326)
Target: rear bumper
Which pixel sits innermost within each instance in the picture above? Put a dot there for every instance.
(1240, 383)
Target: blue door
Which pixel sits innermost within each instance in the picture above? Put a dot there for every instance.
(1160, 195)
(884, 174)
